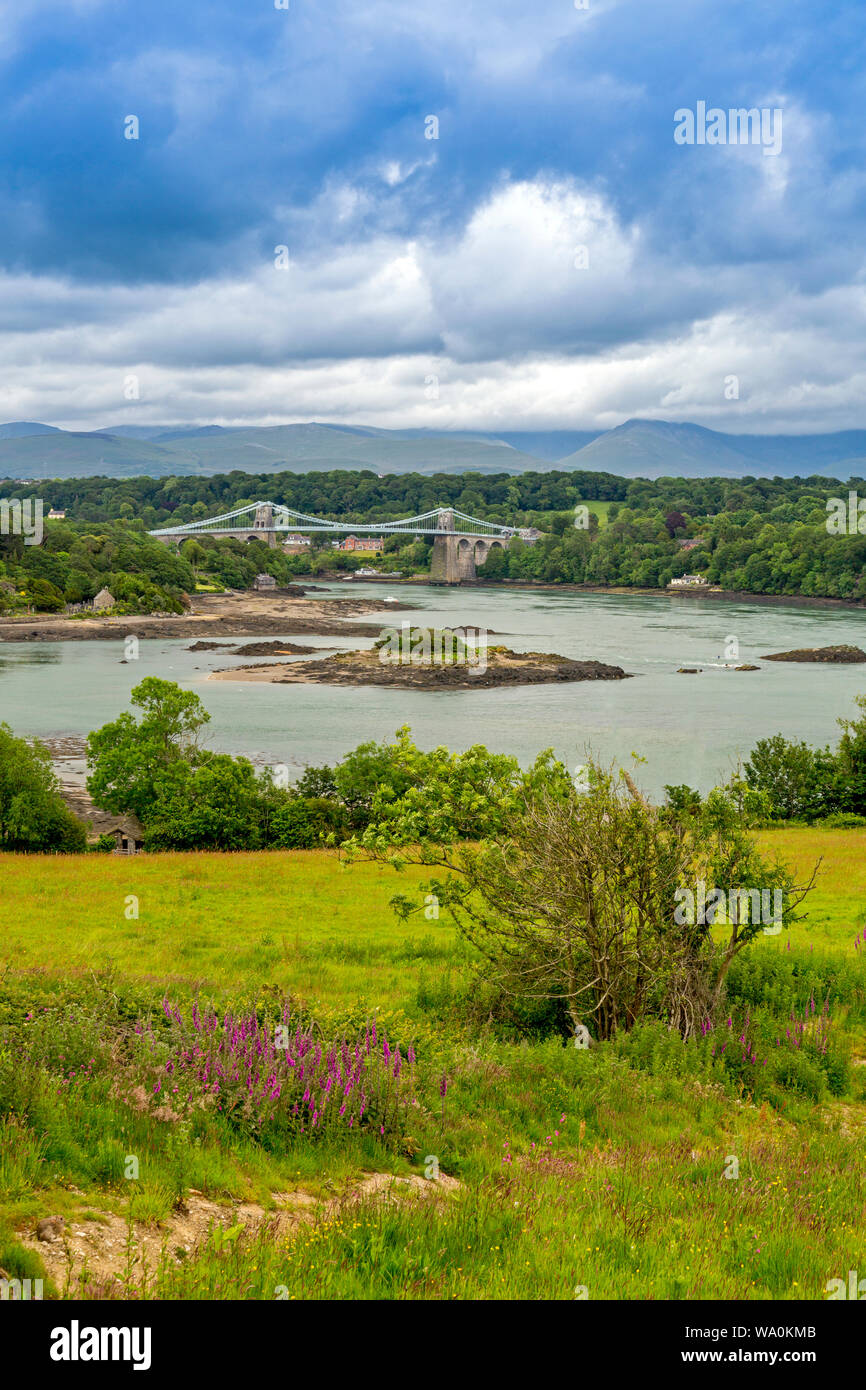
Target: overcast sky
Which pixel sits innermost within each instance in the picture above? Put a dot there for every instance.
(554, 259)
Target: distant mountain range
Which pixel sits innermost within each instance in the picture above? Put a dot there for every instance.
(638, 448)
(659, 448)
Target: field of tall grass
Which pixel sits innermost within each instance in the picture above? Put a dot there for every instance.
(141, 1008)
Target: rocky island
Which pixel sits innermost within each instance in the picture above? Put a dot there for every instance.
(839, 656)
(254, 648)
(467, 667)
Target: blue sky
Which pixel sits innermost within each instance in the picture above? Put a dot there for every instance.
(552, 260)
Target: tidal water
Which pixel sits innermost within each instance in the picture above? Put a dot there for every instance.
(688, 728)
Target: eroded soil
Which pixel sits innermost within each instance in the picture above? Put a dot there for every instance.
(98, 1253)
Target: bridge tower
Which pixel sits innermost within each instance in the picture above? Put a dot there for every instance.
(264, 521)
(445, 561)
(455, 557)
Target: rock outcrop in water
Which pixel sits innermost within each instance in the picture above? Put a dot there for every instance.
(838, 656)
(254, 648)
(484, 670)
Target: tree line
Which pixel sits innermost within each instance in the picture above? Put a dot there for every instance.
(782, 549)
(756, 535)
(362, 495)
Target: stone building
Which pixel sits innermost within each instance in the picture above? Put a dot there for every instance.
(128, 834)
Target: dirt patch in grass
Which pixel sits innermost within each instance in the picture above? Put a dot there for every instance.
(392, 1189)
(99, 1254)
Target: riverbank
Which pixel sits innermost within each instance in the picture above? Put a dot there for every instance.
(212, 615)
(621, 590)
(769, 600)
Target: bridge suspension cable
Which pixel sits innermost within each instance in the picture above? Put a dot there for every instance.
(274, 517)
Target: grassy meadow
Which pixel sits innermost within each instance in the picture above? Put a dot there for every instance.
(601, 510)
(644, 1168)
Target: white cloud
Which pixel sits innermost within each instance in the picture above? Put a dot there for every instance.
(516, 333)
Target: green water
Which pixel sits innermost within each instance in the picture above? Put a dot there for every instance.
(688, 728)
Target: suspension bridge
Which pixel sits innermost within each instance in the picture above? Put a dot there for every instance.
(460, 542)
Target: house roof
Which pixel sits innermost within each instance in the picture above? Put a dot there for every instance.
(129, 825)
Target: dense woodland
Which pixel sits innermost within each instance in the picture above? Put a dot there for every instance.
(783, 548)
(758, 535)
(361, 495)
(75, 561)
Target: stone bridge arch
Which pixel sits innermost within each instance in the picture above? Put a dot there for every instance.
(465, 559)
(484, 545)
(468, 553)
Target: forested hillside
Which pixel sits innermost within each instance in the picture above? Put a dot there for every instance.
(758, 535)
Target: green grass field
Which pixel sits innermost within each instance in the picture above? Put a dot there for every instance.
(601, 1170)
(304, 920)
(601, 510)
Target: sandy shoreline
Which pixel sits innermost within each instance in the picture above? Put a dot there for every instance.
(213, 616)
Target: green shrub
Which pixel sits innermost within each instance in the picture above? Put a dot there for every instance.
(33, 815)
(305, 822)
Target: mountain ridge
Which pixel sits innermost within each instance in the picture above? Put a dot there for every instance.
(638, 448)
